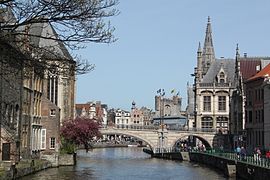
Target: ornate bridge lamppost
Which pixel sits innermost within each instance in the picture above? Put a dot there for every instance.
(161, 131)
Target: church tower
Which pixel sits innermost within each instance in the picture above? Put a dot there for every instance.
(208, 54)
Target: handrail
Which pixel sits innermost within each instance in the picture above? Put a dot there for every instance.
(141, 128)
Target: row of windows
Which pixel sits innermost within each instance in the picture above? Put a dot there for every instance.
(207, 103)
(258, 96)
(255, 137)
(123, 121)
(259, 116)
(10, 112)
(221, 122)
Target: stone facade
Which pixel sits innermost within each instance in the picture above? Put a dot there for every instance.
(34, 99)
(168, 111)
(31, 122)
(212, 87)
(219, 89)
(11, 83)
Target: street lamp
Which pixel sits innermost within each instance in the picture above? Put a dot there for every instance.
(195, 95)
(161, 94)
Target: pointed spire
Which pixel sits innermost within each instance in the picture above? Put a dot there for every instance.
(208, 48)
(237, 50)
(199, 48)
(237, 60)
(208, 35)
(199, 59)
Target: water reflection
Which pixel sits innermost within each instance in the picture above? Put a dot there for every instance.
(125, 164)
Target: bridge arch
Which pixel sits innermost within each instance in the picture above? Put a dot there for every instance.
(201, 138)
(151, 146)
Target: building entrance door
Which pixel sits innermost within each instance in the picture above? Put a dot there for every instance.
(6, 152)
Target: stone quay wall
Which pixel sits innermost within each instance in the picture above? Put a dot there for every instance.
(67, 159)
(230, 168)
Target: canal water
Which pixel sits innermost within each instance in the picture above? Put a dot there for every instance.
(126, 164)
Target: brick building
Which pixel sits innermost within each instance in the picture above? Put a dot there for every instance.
(257, 110)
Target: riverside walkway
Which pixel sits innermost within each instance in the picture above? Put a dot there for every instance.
(247, 159)
(246, 167)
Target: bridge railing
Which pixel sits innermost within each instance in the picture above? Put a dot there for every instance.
(247, 159)
(261, 161)
(154, 127)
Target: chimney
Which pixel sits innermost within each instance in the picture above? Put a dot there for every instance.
(258, 68)
(245, 55)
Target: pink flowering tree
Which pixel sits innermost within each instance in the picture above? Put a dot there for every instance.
(80, 131)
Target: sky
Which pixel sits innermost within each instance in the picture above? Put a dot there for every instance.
(157, 45)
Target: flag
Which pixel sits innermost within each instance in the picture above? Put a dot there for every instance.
(163, 92)
(172, 91)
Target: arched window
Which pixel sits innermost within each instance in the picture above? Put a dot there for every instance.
(167, 110)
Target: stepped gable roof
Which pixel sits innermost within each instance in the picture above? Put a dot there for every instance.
(248, 65)
(227, 64)
(265, 72)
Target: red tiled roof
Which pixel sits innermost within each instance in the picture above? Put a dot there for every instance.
(264, 72)
(81, 106)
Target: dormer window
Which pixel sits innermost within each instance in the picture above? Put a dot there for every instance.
(221, 77)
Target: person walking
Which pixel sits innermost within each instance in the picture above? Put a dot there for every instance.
(243, 153)
(238, 150)
(267, 155)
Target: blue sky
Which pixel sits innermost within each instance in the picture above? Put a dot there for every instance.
(157, 45)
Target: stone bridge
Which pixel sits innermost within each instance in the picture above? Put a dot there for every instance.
(165, 139)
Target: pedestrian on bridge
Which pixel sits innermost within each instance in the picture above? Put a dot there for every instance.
(243, 153)
(238, 150)
(267, 155)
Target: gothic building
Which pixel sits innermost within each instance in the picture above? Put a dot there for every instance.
(219, 89)
(212, 88)
(49, 92)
